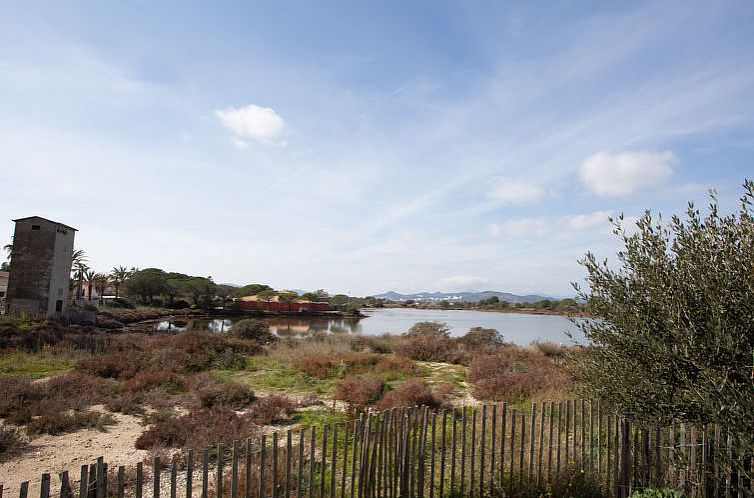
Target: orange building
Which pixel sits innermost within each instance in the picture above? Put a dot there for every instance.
(252, 303)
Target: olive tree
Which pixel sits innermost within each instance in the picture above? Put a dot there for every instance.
(673, 328)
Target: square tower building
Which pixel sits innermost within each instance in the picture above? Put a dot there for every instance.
(40, 268)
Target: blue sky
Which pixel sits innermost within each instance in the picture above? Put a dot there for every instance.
(367, 146)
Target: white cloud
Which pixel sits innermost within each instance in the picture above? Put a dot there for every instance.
(583, 221)
(512, 191)
(552, 225)
(260, 123)
(621, 174)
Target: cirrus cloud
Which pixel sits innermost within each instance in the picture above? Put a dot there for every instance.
(251, 121)
(622, 174)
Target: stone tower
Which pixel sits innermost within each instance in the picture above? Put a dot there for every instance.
(40, 268)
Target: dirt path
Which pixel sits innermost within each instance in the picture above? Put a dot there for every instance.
(69, 452)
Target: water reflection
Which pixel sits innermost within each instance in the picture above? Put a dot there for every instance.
(515, 327)
(281, 326)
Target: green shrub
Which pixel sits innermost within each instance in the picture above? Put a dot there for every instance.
(253, 330)
(657, 493)
(10, 442)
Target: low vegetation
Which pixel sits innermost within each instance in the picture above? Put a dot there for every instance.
(514, 373)
(198, 389)
(11, 441)
(199, 429)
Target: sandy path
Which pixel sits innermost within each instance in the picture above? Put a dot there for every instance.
(69, 452)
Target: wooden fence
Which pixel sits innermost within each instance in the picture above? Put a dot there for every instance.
(414, 452)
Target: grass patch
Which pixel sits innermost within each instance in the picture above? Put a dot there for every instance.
(319, 418)
(34, 366)
(270, 373)
(443, 373)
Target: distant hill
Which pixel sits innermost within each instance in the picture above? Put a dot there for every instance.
(468, 296)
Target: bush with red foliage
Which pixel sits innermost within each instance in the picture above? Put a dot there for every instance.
(114, 365)
(512, 373)
(50, 333)
(272, 409)
(154, 379)
(414, 392)
(325, 366)
(433, 347)
(359, 392)
(45, 406)
(210, 391)
(180, 353)
(198, 429)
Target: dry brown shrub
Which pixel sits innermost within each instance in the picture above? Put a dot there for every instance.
(272, 409)
(359, 392)
(11, 441)
(198, 429)
(153, 379)
(291, 349)
(52, 422)
(512, 373)
(385, 343)
(414, 392)
(49, 333)
(433, 347)
(127, 403)
(114, 365)
(479, 338)
(551, 349)
(62, 396)
(210, 391)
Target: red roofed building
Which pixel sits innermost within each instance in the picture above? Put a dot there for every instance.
(252, 303)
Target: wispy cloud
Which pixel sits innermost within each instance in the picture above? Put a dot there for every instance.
(549, 225)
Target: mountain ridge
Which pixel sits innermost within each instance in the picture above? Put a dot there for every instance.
(465, 296)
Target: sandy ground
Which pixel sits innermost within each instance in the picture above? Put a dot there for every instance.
(69, 452)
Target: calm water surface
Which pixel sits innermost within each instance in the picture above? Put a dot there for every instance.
(515, 327)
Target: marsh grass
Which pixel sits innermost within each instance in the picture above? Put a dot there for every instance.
(49, 361)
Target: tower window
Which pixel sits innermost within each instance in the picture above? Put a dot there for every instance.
(35, 227)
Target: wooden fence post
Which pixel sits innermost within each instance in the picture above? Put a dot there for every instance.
(189, 475)
(65, 485)
(44, 486)
(139, 479)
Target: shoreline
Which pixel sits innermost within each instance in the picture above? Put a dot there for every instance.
(520, 311)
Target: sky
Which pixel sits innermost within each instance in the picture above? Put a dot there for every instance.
(369, 146)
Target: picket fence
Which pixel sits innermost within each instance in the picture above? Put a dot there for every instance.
(489, 450)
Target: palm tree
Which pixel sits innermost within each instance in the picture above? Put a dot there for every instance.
(79, 267)
(89, 276)
(8, 248)
(118, 275)
(101, 281)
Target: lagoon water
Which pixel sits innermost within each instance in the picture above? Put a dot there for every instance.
(518, 328)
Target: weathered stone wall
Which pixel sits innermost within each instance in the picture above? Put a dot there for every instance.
(40, 267)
